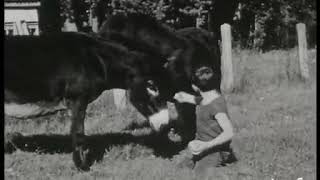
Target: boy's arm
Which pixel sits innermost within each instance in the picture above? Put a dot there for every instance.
(227, 130)
(183, 97)
(197, 147)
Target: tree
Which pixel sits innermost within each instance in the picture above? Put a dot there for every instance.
(221, 11)
(75, 12)
(258, 23)
(49, 16)
(271, 24)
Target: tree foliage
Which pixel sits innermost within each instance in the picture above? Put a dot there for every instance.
(271, 24)
(50, 19)
(257, 23)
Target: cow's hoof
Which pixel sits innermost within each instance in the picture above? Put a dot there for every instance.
(81, 159)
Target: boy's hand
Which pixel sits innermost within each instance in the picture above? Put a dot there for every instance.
(197, 147)
(183, 97)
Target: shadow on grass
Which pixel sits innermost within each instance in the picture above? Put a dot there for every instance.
(137, 125)
(98, 144)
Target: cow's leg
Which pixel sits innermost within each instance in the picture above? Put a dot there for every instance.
(186, 123)
(80, 151)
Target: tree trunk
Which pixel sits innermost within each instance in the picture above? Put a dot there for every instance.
(102, 10)
(69, 23)
(78, 7)
(222, 12)
(75, 16)
(49, 16)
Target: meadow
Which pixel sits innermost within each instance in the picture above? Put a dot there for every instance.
(272, 109)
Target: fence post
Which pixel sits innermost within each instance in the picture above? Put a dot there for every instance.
(302, 42)
(24, 28)
(95, 24)
(93, 19)
(69, 26)
(19, 28)
(226, 59)
(119, 97)
(198, 22)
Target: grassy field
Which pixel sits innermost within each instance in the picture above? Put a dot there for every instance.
(273, 112)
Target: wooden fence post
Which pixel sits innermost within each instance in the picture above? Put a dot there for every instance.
(24, 28)
(93, 19)
(226, 59)
(119, 97)
(69, 26)
(19, 28)
(302, 42)
(95, 24)
(199, 21)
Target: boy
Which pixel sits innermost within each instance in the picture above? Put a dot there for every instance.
(211, 147)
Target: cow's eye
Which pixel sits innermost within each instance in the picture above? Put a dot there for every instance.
(151, 85)
(207, 71)
(152, 89)
(150, 82)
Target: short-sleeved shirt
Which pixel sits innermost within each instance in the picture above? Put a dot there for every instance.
(208, 127)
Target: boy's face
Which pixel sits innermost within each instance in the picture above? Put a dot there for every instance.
(204, 73)
(205, 79)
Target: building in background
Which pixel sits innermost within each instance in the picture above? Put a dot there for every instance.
(21, 17)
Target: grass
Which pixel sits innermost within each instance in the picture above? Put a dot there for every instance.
(272, 109)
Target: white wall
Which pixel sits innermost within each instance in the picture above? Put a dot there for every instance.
(17, 15)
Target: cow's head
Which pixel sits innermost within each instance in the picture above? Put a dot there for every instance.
(150, 96)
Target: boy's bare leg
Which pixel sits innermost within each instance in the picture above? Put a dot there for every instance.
(207, 162)
(186, 159)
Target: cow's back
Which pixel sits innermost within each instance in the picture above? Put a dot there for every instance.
(38, 67)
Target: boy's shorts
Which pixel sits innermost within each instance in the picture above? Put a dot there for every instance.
(200, 164)
(215, 159)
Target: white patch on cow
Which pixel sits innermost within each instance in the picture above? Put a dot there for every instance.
(152, 92)
(159, 119)
(173, 113)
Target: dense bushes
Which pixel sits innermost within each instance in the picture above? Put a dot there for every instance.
(257, 24)
(271, 24)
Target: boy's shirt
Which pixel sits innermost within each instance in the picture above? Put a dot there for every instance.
(207, 125)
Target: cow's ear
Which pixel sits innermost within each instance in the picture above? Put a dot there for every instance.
(174, 55)
(166, 64)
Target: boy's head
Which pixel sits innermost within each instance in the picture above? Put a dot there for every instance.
(206, 78)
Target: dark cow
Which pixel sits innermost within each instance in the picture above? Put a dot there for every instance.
(184, 54)
(208, 39)
(186, 50)
(76, 68)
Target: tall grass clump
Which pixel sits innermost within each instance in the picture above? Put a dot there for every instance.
(278, 68)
